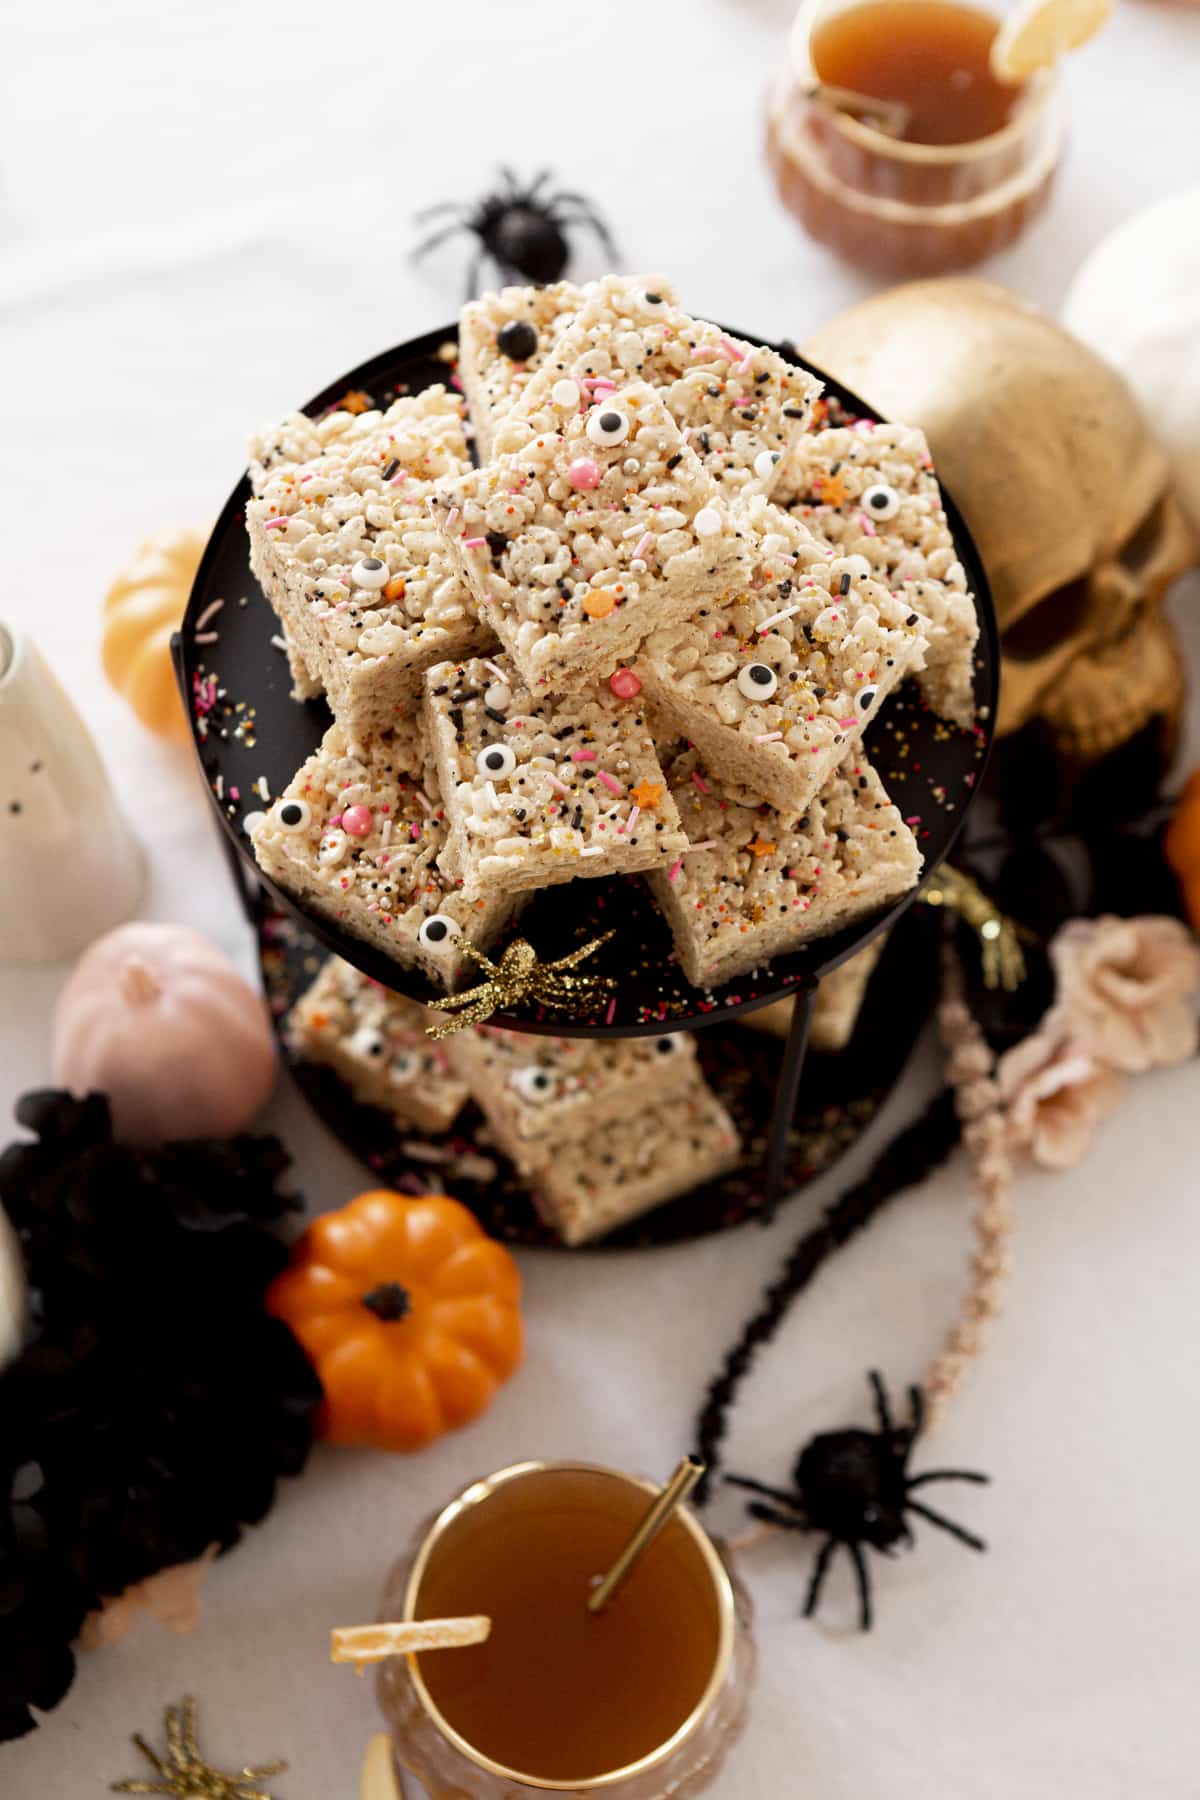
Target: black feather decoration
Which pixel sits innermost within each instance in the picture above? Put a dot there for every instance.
(154, 1404)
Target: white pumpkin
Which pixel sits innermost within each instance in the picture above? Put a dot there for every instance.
(379, 1771)
(12, 1292)
(1136, 301)
(158, 1018)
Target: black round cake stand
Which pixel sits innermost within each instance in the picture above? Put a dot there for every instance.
(252, 737)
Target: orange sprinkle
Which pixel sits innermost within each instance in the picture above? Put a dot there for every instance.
(395, 588)
(757, 847)
(832, 489)
(357, 402)
(647, 794)
(599, 604)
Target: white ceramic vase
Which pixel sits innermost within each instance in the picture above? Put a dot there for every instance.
(70, 867)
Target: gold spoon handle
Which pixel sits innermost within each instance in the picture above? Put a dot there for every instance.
(676, 1491)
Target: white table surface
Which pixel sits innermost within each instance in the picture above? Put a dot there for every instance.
(204, 216)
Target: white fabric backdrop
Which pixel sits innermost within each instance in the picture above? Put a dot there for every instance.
(204, 216)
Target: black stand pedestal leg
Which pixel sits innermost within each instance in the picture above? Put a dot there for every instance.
(785, 1102)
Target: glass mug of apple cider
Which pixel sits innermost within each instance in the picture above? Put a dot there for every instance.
(637, 1701)
(894, 143)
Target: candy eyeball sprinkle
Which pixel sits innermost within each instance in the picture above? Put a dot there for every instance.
(534, 1084)
(405, 1066)
(881, 501)
(294, 815)
(496, 761)
(333, 848)
(369, 573)
(758, 681)
(517, 340)
(652, 299)
(607, 427)
(438, 932)
(368, 1042)
(764, 464)
(866, 699)
(669, 1046)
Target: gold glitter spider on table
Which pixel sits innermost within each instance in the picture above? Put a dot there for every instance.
(183, 1771)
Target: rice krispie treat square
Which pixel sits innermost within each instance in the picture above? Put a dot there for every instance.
(870, 491)
(357, 835)
(756, 883)
(345, 550)
(600, 528)
(376, 1042)
(540, 1094)
(741, 405)
(541, 789)
(598, 1182)
(503, 339)
(774, 686)
(296, 440)
(838, 1002)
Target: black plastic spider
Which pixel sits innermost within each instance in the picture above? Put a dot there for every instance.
(855, 1487)
(520, 228)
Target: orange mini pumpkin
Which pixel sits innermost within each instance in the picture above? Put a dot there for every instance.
(1183, 846)
(409, 1313)
(142, 608)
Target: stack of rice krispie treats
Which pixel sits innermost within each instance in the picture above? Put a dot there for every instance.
(640, 631)
(668, 566)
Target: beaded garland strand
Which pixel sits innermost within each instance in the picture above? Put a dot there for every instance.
(971, 1068)
(908, 1160)
(969, 1106)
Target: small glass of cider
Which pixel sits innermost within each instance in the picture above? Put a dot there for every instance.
(893, 142)
(637, 1701)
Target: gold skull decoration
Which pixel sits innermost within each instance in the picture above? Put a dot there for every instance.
(1066, 493)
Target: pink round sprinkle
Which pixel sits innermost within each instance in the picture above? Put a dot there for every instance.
(624, 684)
(584, 473)
(357, 820)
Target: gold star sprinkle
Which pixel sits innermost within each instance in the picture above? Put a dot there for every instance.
(757, 847)
(647, 794)
(183, 1772)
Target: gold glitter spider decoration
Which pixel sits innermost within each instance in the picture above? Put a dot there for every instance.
(184, 1773)
(999, 937)
(520, 976)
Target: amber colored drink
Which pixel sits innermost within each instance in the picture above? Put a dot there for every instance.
(558, 1692)
(955, 177)
(929, 55)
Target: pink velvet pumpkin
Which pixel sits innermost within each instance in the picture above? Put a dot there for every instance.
(158, 1018)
